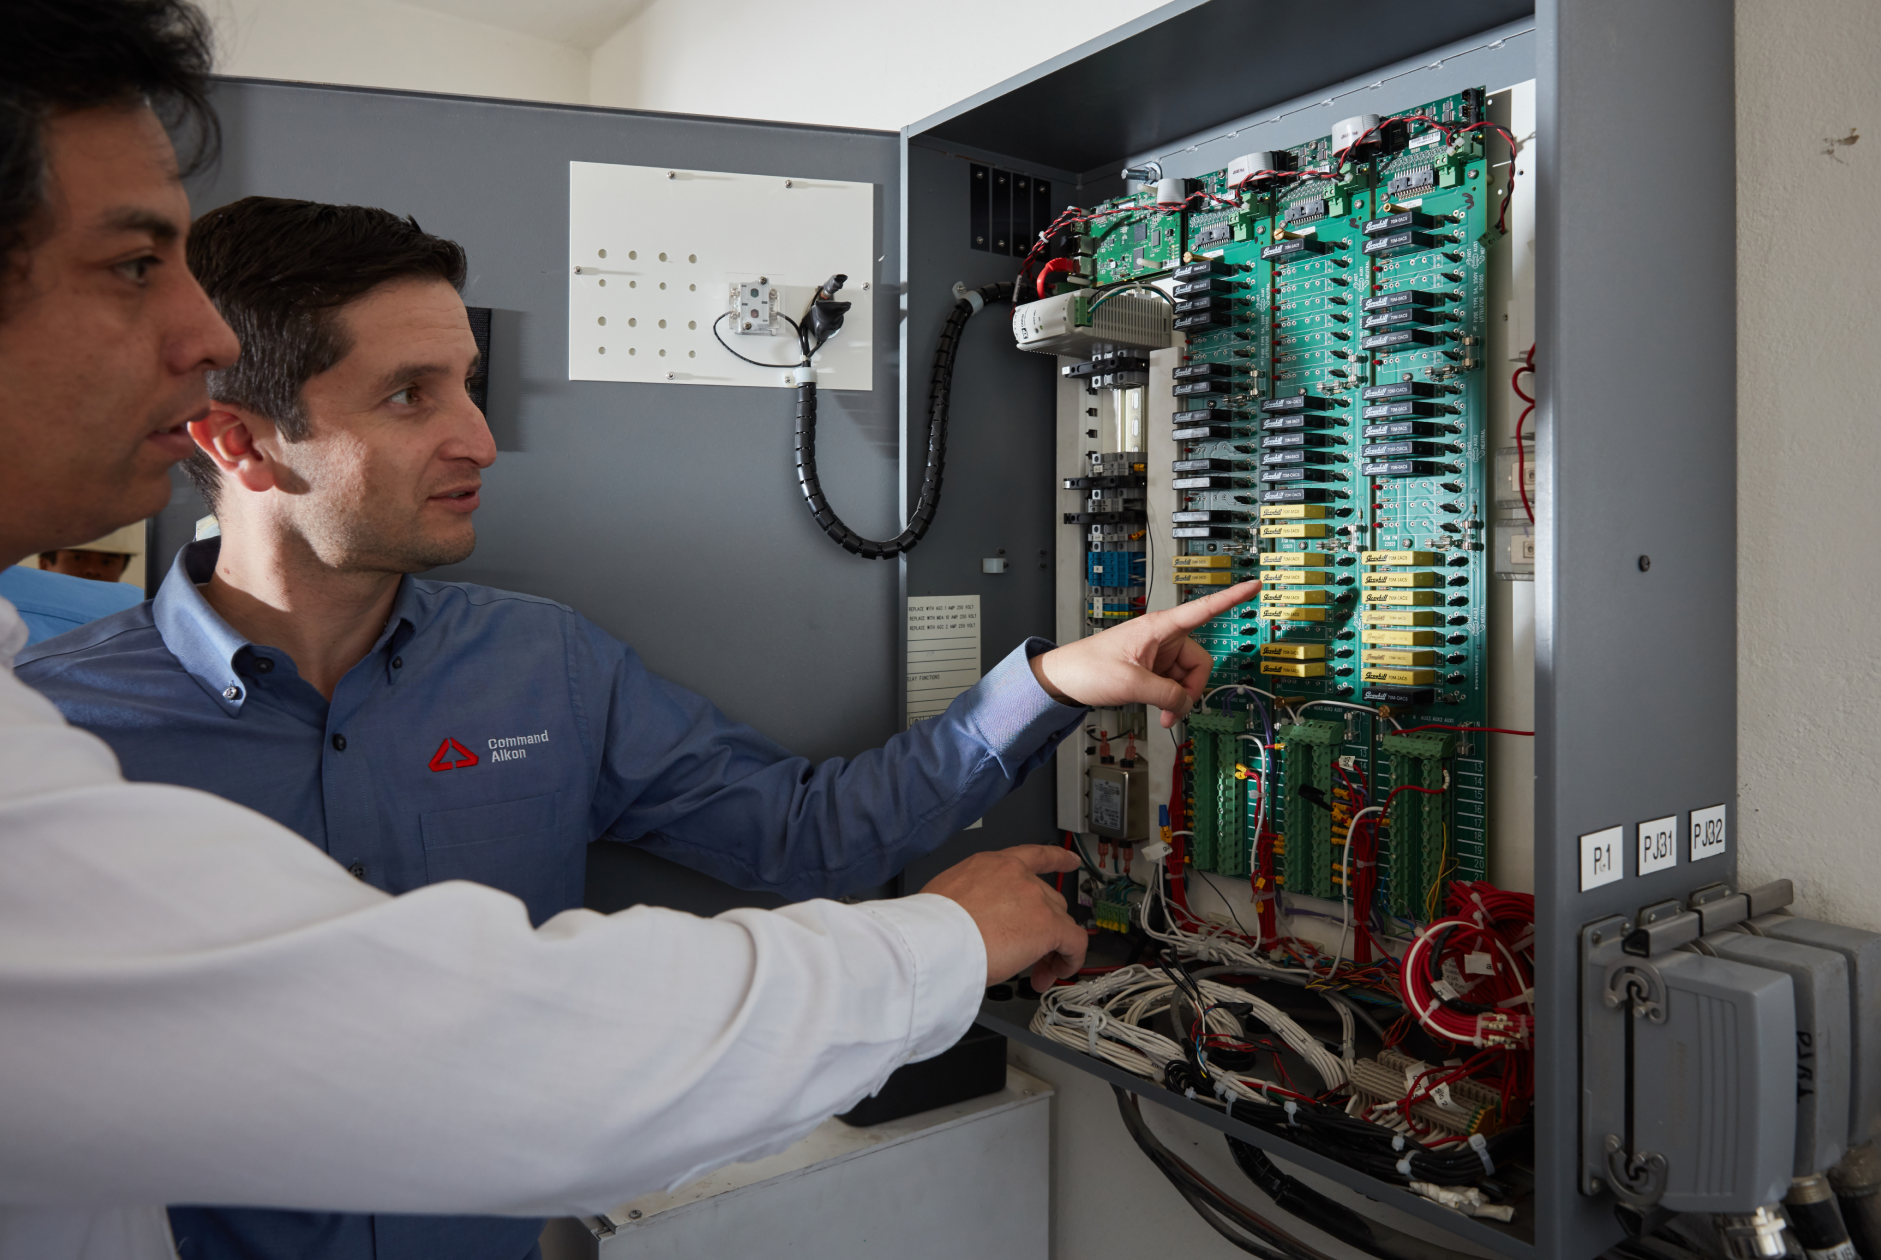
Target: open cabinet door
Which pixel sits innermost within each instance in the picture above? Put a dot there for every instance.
(666, 512)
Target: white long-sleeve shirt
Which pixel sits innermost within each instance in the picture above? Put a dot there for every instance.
(198, 1006)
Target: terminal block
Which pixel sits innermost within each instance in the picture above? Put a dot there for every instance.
(1306, 781)
(1419, 822)
(1218, 817)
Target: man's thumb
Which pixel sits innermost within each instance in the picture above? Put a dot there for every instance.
(1164, 693)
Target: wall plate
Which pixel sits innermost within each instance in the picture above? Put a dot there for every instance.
(653, 252)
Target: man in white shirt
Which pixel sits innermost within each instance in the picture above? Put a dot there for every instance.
(199, 1006)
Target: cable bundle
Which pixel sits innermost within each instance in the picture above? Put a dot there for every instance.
(1485, 950)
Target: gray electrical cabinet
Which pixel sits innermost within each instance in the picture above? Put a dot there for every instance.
(671, 516)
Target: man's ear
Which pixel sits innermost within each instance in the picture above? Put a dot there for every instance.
(228, 437)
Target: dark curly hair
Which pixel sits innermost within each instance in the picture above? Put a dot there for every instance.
(60, 56)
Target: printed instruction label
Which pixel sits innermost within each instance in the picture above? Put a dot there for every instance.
(1107, 806)
(1658, 844)
(1708, 833)
(1601, 857)
(943, 651)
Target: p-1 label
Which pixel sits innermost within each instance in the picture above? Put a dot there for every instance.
(1708, 833)
(1658, 844)
(1601, 857)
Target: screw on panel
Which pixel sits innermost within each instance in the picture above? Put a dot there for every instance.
(633, 1214)
(789, 184)
(672, 175)
(1645, 562)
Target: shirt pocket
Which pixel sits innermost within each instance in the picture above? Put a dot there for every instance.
(514, 846)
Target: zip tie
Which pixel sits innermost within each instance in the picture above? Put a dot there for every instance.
(1293, 1110)
(1397, 1142)
(1090, 1031)
(1404, 1166)
(1222, 1091)
(1481, 1147)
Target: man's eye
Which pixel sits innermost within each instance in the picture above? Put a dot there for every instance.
(136, 270)
(405, 397)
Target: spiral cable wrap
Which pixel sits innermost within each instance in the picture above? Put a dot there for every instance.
(940, 389)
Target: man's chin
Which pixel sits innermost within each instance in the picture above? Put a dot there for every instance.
(438, 553)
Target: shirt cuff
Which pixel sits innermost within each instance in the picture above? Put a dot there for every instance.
(1012, 713)
(949, 963)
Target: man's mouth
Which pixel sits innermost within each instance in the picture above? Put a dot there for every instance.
(174, 441)
(461, 499)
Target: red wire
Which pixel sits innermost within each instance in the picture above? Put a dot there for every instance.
(1445, 726)
(1521, 455)
(1051, 269)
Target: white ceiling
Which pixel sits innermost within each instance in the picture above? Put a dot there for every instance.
(580, 23)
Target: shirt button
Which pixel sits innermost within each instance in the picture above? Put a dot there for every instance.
(357, 870)
(398, 662)
(339, 743)
(264, 664)
(231, 692)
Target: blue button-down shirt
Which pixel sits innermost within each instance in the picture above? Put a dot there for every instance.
(491, 736)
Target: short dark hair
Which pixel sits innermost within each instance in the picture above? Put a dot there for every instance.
(61, 56)
(280, 272)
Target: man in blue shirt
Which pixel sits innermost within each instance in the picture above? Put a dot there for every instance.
(52, 603)
(421, 731)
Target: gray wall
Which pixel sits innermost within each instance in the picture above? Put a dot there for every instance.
(615, 498)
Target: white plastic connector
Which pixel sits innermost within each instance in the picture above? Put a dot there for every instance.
(1154, 851)
(1347, 131)
(1171, 192)
(804, 374)
(1245, 165)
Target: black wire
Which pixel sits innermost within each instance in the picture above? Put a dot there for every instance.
(753, 362)
(1270, 1239)
(940, 393)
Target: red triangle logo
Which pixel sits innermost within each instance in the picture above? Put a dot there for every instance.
(452, 755)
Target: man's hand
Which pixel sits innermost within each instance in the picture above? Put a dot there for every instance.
(1147, 660)
(1021, 918)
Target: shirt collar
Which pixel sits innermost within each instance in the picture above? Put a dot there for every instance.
(211, 650)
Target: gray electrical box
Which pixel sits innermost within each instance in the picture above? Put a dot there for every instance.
(1861, 951)
(1823, 1052)
(1686, 1068)
(1119, 802)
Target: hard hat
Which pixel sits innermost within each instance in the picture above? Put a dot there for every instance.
(128, 541)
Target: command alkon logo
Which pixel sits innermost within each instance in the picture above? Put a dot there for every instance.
(452, 755)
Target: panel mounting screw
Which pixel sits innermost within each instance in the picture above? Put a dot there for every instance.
(1593, 1185)
(670, 375)
(789, 184)
(672, 175)
(633, 1214)
(1645, 562)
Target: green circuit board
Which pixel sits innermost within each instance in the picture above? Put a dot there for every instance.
(1338, 448)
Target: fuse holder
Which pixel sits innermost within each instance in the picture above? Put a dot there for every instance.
(1398, 677)
(1397, 657)
(1294, 669)
(1294, 651)
(1398, 557)
(1399, 638)
(1397, 617)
